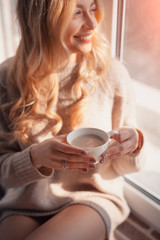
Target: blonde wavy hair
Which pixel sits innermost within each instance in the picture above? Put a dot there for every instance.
(32, 77)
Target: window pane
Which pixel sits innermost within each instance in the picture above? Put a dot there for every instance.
(141, 55)
(9, 35)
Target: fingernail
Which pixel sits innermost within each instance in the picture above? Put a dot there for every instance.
(105, 155)
(102, 160)
(83, 153)
(85, 170)
(92, 160)
(91, 166)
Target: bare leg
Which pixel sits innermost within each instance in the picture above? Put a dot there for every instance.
(75, 222)
(17, 227)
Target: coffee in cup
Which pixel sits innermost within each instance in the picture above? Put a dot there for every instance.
(93, 140)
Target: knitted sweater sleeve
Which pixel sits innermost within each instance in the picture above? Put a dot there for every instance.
(16, 168)
(124, 114)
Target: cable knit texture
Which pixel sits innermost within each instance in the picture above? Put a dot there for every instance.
(34, 193)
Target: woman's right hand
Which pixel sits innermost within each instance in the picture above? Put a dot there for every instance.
(54, 152)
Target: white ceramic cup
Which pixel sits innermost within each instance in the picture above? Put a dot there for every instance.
(83, 133)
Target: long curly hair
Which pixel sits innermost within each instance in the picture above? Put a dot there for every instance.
(32, 78)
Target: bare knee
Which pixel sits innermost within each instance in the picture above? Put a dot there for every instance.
(17, 227)
(75, 222)
(85, 220)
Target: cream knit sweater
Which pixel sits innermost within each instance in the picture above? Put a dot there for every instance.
(29, 192)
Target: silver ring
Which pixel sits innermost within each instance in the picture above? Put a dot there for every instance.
(64, 165)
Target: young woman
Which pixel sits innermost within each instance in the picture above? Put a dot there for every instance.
(63, 78)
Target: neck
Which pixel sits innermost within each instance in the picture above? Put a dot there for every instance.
(72, 59)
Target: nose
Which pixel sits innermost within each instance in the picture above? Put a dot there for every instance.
(90, 22)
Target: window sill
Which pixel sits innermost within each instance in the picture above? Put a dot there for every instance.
(144, 207)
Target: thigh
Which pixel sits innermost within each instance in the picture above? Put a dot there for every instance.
(17, 227)
(75, 222)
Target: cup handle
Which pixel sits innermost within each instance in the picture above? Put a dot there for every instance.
(111, 133)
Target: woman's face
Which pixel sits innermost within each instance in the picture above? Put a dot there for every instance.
(78, 37)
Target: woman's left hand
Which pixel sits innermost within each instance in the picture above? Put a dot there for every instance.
(127, 139)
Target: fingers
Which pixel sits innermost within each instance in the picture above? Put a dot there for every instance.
(66, 152)
(74, 162)
(127, 142)
(72, 157)
(67, 149)
(52, 153)
(127, 134)
(120, 149)
(82, 166)
(124, 134)
(62, 138)
(116, 151)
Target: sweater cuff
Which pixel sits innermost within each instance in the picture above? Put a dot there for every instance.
(140, 142)
(25, 168)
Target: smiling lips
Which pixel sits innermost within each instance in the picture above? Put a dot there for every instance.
(84, 38)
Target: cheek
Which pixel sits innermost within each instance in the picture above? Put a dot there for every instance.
(71, 31)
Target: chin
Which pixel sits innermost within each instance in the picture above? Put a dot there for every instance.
(84, 50)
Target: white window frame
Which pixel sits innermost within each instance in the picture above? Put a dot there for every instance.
(139, 200)
(8, 38)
